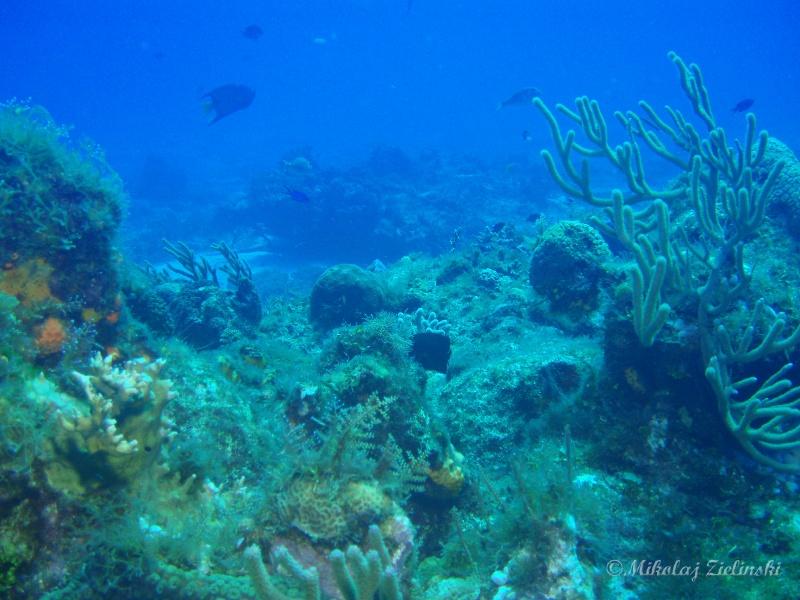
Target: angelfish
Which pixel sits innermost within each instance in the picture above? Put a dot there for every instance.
(228, 99)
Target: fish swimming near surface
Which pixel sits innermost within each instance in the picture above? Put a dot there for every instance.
(521, 98)
(743, 105)
(252, 32)
(296, 195)
(228, 99)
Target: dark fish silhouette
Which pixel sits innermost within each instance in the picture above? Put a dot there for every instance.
(521, 98)
(252, 32)
(743, 105)
(297, 195)
(228, 99)
(526, 136)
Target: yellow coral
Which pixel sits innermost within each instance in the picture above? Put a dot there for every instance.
(228, 370)
(29, 282)
(449, 478)
(90, 315)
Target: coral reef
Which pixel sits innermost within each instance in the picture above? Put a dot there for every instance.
(502, 421)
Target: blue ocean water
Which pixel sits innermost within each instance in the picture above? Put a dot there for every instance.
(343, 76)
(359, 311)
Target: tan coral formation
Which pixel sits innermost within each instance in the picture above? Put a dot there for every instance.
(118, 435)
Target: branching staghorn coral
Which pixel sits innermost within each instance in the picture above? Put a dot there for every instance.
(112, 391)
(727, 189)
(119, 433)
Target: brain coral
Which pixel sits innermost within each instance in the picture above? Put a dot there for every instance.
(327, 510)
(345, 294)
(784, 201)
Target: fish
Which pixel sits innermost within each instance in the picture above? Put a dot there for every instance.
(521, 98)
(296, 195)
(228, 99)
(252, 32)
(743, 105)
(526, 136)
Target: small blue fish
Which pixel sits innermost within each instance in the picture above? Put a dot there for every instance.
(743, 105)
(524, 97)
(296, 195)
(252, 32)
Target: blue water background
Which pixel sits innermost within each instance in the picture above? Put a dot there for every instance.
(344, 76)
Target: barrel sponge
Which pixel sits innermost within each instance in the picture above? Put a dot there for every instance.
(784, 200)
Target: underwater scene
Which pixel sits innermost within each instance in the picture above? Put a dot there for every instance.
(399, 299)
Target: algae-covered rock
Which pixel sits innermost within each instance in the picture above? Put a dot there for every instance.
(345, 294)
(488, 408)
(60, 206)
(567, 266)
